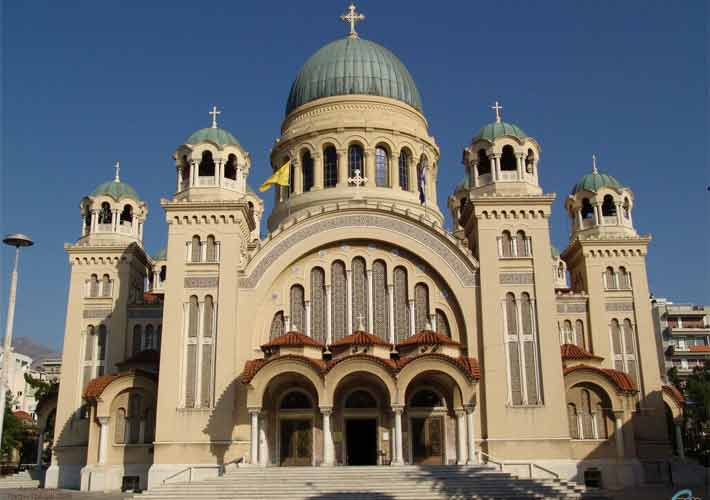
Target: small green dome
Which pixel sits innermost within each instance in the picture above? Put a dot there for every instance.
(594, 182)
(217, 135)
(499, 129)
(116, 190)
(162, 254)
(353, 66)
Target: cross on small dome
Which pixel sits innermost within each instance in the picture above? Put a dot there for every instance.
(594, 164)
(352, 18)
(497, 109)
(214, 114)
(117, 166)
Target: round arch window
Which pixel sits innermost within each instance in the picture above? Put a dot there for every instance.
(426, 398)
(360, 399)
(296, 400)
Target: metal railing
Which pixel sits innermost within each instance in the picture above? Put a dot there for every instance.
(501, 464)
(221, 468)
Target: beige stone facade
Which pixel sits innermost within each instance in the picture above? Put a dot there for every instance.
(359, 330)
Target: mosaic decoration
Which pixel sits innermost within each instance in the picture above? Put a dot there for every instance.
(202, 282)
(619, 306)
(96, 313)
(517, 279)
(572, 308)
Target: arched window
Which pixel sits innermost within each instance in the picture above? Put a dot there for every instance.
(339, 300)
(211, 249)
(355, 156)
(573, 421)
(90, 341)
(530, 162)
(404, 160)
(298, 309)
(560, 271)
(508, 161)
(610, 278)
(442, 323)
(513, 341)
(627, 208)
(230, 168)
(422, 181)
(330, 167)
(134, 417)
(421, 306)
(587, 209)
(380, 299)
(587, 425)
(382, 167)
(579, 333)
(94, 286)
(207, 166)
(401, 313)
(359, 285)
(506, 241)
(136, 340)
(600, 422)
(159, 338)
(307, 166)
(119, 436)
(484, 163)
(630, 350)
(191, 354)
(521, 242)
(163, 273)
(360, 399)
(426, 398)
(149, 338)
(567, 337)
(296, 400)
(206, 362)
(292, 177)
(608, 206)
(105, 286)
(624, 278)
(195, 249)
(105, 215)
(101, 348)
(127, 214)
(277, 325)
(318, 305)
(529, 340)
(617, 343)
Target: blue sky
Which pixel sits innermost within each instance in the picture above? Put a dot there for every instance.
(86, 83)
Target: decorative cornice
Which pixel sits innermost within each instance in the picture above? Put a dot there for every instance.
(201, 282)
(619, 306)
(517, 279)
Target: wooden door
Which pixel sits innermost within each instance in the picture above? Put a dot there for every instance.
(428, 440)
(296, 442)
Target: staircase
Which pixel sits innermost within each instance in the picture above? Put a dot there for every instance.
(19, 480)
(370, 483)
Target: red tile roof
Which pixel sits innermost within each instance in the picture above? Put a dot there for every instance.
(22, 415)
(469, 366)
(699, 348)
(674, 393)
(428, 337)
(293, 339)
(252, 367)
(572, 351)
(387, 364)
(96, 386)
(620, 379)
(360, 338)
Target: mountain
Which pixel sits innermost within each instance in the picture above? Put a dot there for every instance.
(28, 347)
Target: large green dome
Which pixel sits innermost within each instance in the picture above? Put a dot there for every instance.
(217, 135)
(353, 66)
(116, 190)
(499, 129)
(594, 182)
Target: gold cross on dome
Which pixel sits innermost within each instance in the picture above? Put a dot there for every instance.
(214, 114)
(497, 109)
(352, 17)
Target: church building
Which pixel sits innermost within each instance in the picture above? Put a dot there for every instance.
(359, 330)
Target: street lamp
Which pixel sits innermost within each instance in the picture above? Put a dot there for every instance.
(17, 241)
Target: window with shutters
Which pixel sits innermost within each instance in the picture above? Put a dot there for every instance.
(579, 333)
(201, 320)
(318, 305)
(421, 307)
(520, 328)
(106, 286)
(401, 309)
(505, 245)
(610, 282)
(94, 359)
(93, 286)
(624, 278)
(623, 342)
(522, 244)
(195, 249)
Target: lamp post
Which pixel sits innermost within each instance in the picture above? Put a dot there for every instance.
(17, 241)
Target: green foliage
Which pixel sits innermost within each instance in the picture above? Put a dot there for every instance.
(673, 377)
(13, 430)
(42, 388)
(697, 411)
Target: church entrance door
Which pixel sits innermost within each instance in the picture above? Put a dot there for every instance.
(296, 442)
(427, 440)
(361, 441)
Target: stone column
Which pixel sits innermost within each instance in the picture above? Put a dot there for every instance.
(179, 180)
(308, 318)
(328, 449)
(220, 173)
(495, 167)
(399, 454)
(370, 304)
(580, 221)
(460, 437)
(412, 318)
(619, 433)
(297, 176)
(349, 312)
(679, 441)
(598, 219)
(519, 163)
(390, 299)
(115, 222)
(618, 213)
(369, 167)
(342, 167)
(328, 312)
(254, 436)
(103, 439)
(475, 174)
(140, 231)
(471, 441)
(263, 443)
(413, 180)
(394, 172)
(318, 170)
(94, 220)
(193, 173)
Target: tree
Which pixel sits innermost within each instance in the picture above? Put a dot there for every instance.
(42, 388)
(13, 430)
(697, 392)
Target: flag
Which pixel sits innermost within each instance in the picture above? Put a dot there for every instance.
(279, 177)
(421, 182)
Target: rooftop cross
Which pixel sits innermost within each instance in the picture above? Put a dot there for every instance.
(497, 109)
(214, 114)
(594, 164)
(352, 17)
(357, 180)
(117, 166)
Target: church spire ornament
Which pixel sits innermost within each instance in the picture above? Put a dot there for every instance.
(352, 18)
(117, 166)
(214, 114)
(497, 109)
(594, 164)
